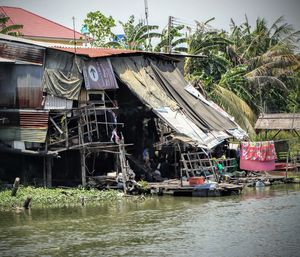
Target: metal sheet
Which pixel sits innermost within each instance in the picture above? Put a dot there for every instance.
(22, 52)
(20, 86)
(57, 103)
(99, 75)
(23, 134)
(182, 124)
(24, 125)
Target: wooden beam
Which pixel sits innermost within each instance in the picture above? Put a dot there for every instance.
(55, 125)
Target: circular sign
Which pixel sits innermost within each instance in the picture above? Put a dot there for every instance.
(93, 73)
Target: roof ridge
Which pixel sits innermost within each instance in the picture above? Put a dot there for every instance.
(42, 18)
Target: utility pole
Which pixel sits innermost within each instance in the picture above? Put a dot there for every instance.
(147, 22)
(74, 35)
(170, 24)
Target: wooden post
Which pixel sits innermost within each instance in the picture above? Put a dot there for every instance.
(44, 172)
(123, 164)
(83, 173)
(15, 187)
(27, 202)
(49, 171)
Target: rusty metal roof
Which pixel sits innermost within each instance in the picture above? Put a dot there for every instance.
(95, 51)
(17, 51)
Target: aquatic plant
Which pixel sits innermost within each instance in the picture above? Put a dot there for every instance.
(42, 197)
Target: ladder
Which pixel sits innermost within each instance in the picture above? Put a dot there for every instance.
(196, 163)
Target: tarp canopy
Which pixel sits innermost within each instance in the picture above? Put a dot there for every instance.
(156, 87)
(137, 74)
(63, 75)
(237, 132)
(62, 84)
(202, 114)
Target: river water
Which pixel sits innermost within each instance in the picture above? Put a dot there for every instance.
(260, 222)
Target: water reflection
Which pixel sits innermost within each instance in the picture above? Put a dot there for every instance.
(260, 222)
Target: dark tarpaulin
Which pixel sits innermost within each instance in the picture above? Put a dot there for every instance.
(62, 75)
(203, 115)
(59, 83)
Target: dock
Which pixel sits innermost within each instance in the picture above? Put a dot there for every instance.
(177, 188)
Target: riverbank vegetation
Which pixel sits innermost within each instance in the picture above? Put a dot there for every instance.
(58, 197)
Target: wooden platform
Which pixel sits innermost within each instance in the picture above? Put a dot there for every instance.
(175, 188)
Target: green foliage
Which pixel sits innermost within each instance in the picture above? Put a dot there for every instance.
(175, 38)
(254, 67)
(136, 36)
(99, 27)
(42, 197)
(12, 30)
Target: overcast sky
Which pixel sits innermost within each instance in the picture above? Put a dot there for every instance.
(187, 11)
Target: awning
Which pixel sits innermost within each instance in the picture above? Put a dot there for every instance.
(236, 132)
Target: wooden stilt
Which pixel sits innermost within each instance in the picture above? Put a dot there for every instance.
(123, 165)
(83, 172)
(49, 171)
(27, 202)
(44, 172)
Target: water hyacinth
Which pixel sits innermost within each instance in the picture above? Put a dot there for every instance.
(43, 197)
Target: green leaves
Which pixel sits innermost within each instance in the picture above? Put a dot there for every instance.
(136, 36)
(12, 30)
(99, 27)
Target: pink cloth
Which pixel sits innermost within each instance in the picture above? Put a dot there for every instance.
(258, 151)
(257, 165)
(258, 156)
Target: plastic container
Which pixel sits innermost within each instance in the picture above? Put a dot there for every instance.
(193, 181)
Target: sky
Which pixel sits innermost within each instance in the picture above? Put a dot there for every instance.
(186, 11)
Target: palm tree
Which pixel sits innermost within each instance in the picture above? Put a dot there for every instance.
(211, 45)
(174, 39)
(11, 30)
(272, 62)
(136, 37)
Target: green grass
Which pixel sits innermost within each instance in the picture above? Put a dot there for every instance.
(42, 197)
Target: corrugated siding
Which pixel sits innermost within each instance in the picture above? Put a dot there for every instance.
(21, 86)
(21, 52)
(57, 103)
(29, 126)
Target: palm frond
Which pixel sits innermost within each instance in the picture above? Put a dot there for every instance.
(236, 107)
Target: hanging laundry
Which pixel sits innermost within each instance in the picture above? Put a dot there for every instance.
(258, 151)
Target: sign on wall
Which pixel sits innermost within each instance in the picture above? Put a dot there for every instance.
(99, 75)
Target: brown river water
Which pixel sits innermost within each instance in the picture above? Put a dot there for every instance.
(260, 222)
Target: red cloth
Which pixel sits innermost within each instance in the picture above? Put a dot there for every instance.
(258, 151)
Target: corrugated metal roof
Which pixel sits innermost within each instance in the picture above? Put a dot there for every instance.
(284, 121)
(17, 51)
(95, 51)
